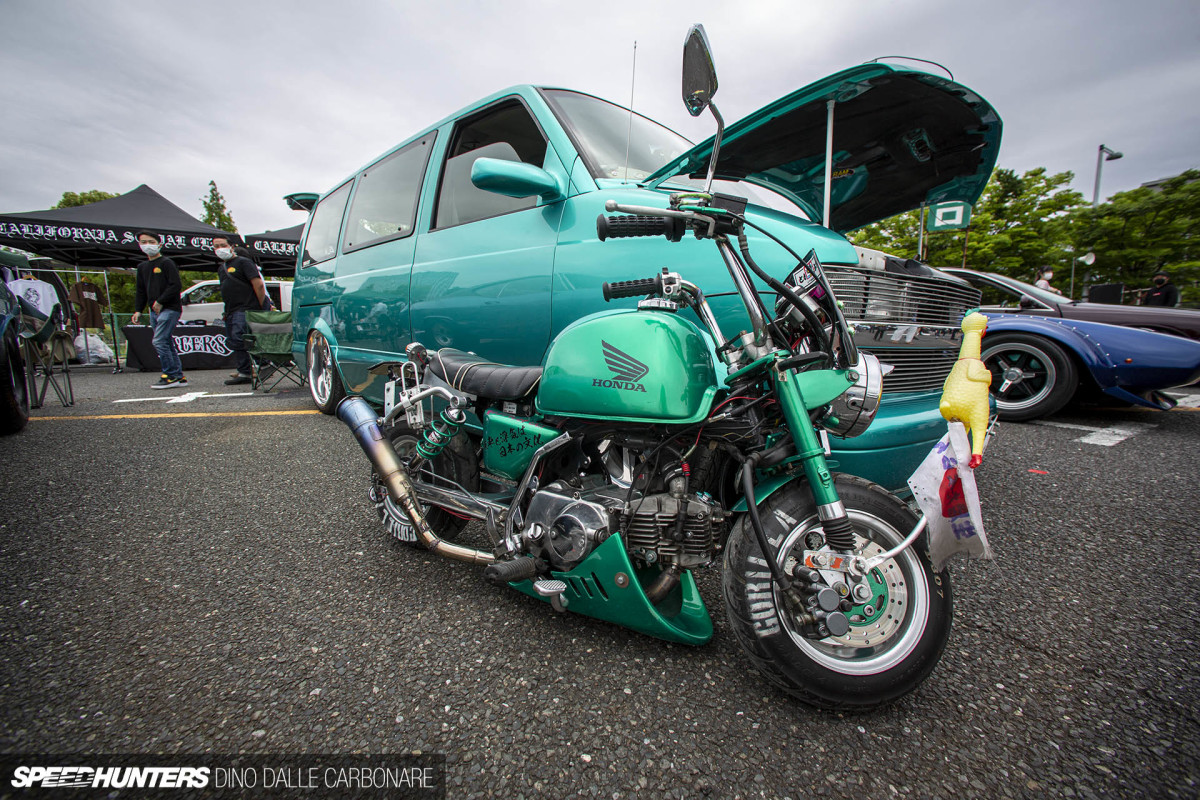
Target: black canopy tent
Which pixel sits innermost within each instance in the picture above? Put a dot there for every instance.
(275, 251)
(104, 235)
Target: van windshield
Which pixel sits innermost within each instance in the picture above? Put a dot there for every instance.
(604, 133)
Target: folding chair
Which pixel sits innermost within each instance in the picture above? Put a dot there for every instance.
(44, 343)
(269, 343)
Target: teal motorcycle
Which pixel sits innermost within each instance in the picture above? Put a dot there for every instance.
(649, 445)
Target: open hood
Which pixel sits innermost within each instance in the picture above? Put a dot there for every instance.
(901, 137)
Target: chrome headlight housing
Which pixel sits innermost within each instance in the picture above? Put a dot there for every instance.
(851, 413)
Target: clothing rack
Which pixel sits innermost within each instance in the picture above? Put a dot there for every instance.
(108, 295)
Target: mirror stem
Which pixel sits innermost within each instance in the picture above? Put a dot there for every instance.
(712, 162)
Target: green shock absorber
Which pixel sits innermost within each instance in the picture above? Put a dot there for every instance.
(439, 433)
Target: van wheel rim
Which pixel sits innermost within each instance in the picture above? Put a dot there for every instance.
(320, 370)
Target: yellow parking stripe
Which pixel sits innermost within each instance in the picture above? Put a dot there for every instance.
(191, 414)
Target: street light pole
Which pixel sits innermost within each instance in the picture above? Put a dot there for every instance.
(1102, 155)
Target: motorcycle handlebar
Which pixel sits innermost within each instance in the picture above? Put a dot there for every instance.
(642, 286)
(631, 225)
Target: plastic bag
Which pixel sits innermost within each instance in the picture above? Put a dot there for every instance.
(944, 487)
(97, 350)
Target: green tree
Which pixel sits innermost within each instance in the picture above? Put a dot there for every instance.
(72, 199)
(1143, 230)
(1020, 223)
(215, 212)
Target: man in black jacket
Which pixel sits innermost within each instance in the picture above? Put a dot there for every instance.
(1164, 293)
(159, 285)
(243, 290)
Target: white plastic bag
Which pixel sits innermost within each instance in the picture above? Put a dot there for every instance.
(944, 487)
(97, 349)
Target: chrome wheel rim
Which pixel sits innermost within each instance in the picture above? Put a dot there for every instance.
(320, 369)
(880, 640)
(1022, 375)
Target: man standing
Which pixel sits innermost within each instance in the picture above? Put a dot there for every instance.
(159, 285)
(243, 290)
(1164, 293)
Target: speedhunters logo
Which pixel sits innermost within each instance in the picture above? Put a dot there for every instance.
(110, 777)
(626, 369)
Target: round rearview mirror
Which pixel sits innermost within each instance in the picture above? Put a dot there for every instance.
(699, 74)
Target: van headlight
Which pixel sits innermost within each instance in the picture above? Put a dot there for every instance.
(851, 413)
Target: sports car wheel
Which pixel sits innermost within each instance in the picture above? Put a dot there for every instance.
(1031, 377)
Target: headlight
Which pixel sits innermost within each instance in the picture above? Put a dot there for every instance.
(851, 413)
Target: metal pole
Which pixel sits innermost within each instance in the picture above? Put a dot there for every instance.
(828, 158)
(1096, 190)
(966, 238)
(921, 235)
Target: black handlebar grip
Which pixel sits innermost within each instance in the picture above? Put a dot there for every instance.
(637, 288)
(638, 225)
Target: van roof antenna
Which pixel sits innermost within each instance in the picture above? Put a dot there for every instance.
(629, 133)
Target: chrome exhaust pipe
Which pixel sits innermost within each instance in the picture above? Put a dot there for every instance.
(364, 423)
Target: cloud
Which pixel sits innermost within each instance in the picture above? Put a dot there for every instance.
(267, 99)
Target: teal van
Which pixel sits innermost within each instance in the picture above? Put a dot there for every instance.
(409, 248)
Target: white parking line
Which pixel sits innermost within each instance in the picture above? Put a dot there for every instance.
(183, 398)
(1105, 437)
(1188, 400)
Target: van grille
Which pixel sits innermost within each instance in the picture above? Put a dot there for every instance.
(925, 309)
(874, 296)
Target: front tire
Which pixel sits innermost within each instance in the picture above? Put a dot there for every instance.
(887, 652)
(1031, 377)
(324, 383)
(14, 391)
(457, 463)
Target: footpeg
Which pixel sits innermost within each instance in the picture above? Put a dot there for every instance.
(519, 569)
(553, 589)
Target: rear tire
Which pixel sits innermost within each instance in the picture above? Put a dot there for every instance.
(457, 462)
(324, 383)
(1031, 376)
(887, 652)
(14, 391)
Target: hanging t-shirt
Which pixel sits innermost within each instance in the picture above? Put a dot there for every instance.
(39, 294)
(89, 297)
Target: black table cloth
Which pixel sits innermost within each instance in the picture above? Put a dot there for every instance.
(200, 347)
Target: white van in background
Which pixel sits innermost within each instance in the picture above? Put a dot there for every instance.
(202, 301)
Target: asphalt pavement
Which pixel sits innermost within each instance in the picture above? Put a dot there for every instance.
(207, 576)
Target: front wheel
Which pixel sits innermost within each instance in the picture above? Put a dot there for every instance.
(324, 383)
(1031, 376)
(896, 636)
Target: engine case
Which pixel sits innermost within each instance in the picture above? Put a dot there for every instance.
(653, 533)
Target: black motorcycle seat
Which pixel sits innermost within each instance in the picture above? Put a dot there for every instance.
(475, 375)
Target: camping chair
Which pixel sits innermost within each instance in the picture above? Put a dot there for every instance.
(45, 343)
(269, 343)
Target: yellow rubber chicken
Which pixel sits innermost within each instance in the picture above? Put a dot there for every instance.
(965, 393)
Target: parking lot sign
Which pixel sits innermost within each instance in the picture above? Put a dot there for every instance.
(948, 216)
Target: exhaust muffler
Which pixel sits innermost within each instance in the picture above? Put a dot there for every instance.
(364, 423)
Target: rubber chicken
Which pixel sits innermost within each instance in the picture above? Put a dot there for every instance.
(965, 393)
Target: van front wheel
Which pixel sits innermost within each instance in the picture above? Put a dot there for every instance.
(323, 380)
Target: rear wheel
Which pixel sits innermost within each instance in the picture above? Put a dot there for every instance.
(456, 464)
(14, 391)
(324, 383)
(896, 636)
(1031, 377)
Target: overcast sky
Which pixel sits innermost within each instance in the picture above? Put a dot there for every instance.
(268, 98)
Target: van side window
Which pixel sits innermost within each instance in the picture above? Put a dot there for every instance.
(321, 242)
(385, 203)
(505, 132)
(205, 294)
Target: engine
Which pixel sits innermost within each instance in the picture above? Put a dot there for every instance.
(565, 522)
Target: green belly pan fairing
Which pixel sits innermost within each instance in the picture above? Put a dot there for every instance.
(631, 366)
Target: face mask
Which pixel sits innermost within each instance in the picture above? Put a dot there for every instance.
(1049, 276)
(151, 249)
(224, 253)
(1159, 281)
